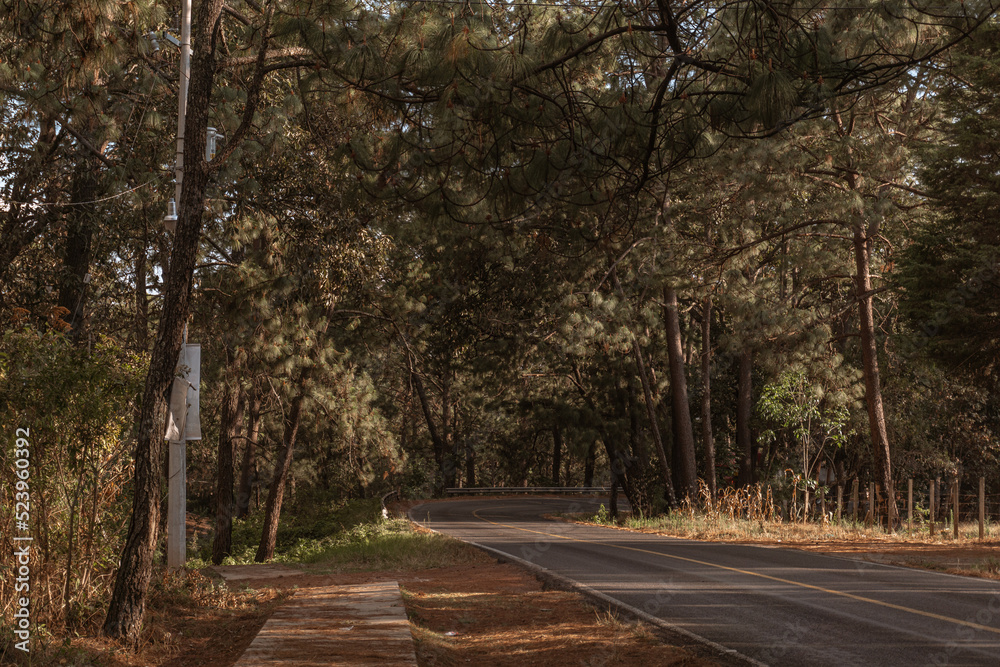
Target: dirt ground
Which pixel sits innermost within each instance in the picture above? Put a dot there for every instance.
(487, 613)
(481, 613)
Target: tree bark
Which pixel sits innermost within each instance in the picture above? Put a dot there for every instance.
(707, 440)
(229, 430)
(623, 466)
(440, 448)
(635, 435)
(744, 411)
(141, 299)
(869, 356)
(249, 454)
(449, 468)
(654, 423)
(589, 464)
(78, 251)
(681, 409)
(276, 494)
(557, 445)
(128, 599)
(470, 463)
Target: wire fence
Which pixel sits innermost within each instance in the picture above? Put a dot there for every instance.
(938, 505)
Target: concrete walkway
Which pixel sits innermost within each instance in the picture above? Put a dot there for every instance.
(363, 624)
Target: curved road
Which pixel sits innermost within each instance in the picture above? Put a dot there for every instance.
(775, 606)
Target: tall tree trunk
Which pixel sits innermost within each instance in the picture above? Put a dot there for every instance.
(681, 409)
(276, 494)
(470, 463)
(623, 468)
(249, 454)
(440, 448)
(635, 434)
(141, 298)
(78, 251)
(229, 431)
(654, 422)
(873, 390)
(128, 599)
(557, 445)
(707, 441)
(449, 468)
(744, 411)
(589, 464)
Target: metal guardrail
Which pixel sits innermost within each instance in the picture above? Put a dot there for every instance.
(527, 490)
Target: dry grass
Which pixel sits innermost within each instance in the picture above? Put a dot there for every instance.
(191, 620)
(751, 514)
(490, 614)
(715, 527)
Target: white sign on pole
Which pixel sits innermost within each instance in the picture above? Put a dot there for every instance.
(183, 419)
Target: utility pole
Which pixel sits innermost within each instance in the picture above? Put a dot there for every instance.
(170, 220)
(177, 466)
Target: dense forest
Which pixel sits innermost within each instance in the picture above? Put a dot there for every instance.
(674, 247)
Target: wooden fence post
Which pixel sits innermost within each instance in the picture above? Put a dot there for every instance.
(955, 502)
(909, 504)
(982, 508)
(870, 518)
(932, 508)
(840, 502)
(854, 498)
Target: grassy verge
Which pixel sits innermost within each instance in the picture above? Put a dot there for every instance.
(717, 526)
(341, 537)
(943, 552)
(391, 545)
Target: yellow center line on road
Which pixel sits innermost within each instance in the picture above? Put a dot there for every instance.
(860, 598)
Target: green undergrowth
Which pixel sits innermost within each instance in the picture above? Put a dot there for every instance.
(342, 537)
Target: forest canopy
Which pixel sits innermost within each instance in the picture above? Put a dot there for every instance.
(673, 248)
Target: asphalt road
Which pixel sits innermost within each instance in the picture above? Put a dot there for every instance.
(775, 606)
